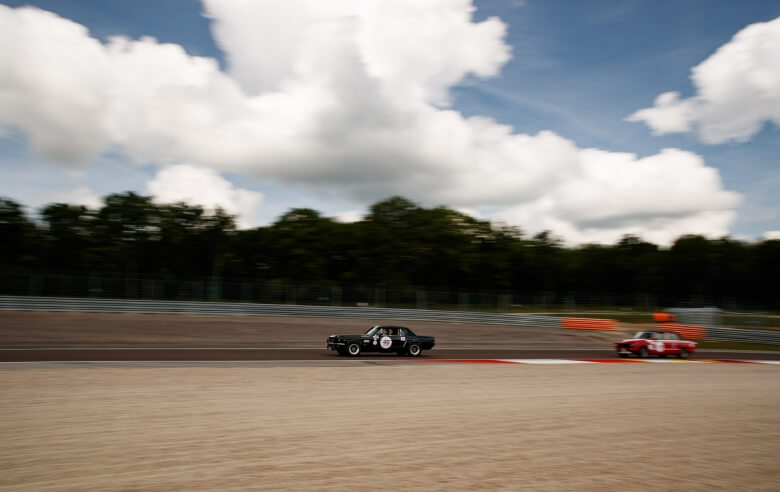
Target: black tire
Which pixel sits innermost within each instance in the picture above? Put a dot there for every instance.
(353, 349)
(642, 352)
(414, 350)
(683, 353)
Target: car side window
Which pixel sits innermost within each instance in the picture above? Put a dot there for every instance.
(401, 332)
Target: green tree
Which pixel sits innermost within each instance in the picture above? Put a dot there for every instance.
(764, 274)
(127, 228)
(69, 237)
(302, 245)
(687, 275)
(18, 247)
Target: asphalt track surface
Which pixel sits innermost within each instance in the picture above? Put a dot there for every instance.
(167, 354)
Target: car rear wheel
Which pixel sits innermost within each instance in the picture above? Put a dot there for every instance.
(414, 350)
(353, 349)
(683, 353)
(643, 352)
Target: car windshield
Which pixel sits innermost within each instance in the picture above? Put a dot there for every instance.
(371, 330)
(644, 334)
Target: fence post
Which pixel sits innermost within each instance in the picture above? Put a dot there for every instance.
(335, 295)
(463, 301)
(291, 296)
(422, 299)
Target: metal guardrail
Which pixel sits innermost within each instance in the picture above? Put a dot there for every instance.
(90, 305)
(95, 305)
(740, 335)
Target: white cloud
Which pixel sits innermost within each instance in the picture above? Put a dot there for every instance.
(411, 48)
(205, 187)
(660, 198)
(669, 114)
(340, 98)
(738, 90)
(80, 195)
(349, 216)
(54, 83)
(772, 235)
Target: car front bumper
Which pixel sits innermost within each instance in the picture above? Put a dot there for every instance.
(335, 344)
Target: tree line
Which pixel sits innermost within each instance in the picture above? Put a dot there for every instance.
(398, 245)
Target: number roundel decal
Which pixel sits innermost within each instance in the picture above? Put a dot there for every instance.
(659, 346)
(385, 342)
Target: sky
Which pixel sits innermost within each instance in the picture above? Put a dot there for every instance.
(591, 120)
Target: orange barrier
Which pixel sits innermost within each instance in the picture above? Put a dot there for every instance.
(589, 324)
(686, 331)
(663, 317)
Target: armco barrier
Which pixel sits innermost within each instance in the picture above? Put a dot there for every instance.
(740, 335)
(589, 324)
(22, 303)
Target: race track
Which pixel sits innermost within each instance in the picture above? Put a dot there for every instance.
(112, 337)
(167, 354)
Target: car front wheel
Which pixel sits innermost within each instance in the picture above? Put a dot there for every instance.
(414, 350)
(683, 353)
(353, 349)
(643, 352)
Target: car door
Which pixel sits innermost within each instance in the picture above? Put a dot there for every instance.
(657, 343)
(673, 343)
(400, 340)
(384, 342)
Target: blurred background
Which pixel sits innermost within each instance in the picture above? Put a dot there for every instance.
(399, 255)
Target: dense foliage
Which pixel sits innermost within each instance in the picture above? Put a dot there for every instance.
(398, 245)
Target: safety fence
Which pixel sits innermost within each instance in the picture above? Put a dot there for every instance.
(24, 303)
(711, 323)
(99, 305)
(739, 335)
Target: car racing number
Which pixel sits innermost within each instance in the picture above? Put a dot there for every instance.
(385, 342)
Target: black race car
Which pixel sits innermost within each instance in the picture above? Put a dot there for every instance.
(382, 338)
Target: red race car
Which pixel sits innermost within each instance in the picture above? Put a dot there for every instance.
(655, 342)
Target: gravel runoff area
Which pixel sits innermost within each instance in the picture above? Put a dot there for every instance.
(416, 426)
(371, 424)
